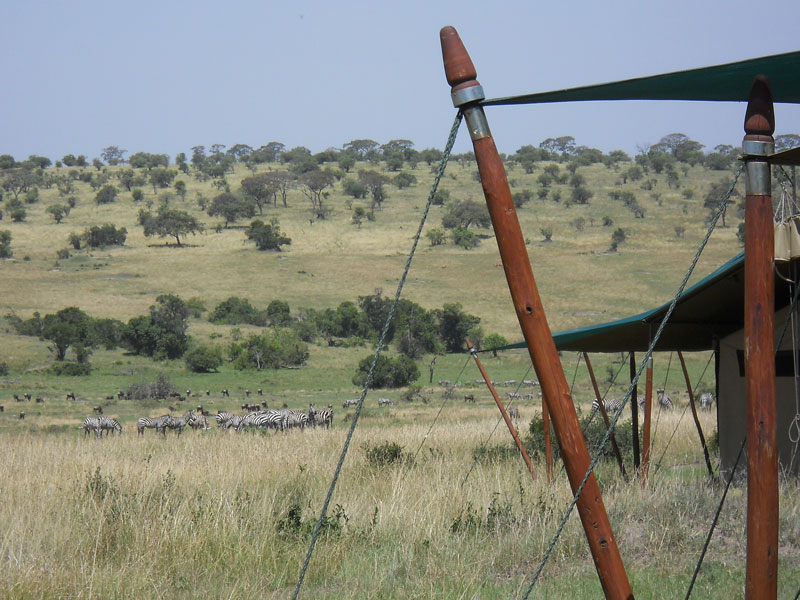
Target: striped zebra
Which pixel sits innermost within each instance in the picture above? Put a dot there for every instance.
(180, 422)
(109, 425)
(350, 402)
(513, 412)
(223, 416)
(91, 424)
(706, 400)
(324, 416)
(664, 401)
(611, 405)
(159, 424)
(385, 402)
(265, 419)
(199, 422)
(298, 418)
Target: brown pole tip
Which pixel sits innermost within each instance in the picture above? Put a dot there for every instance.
(760, 116)
(458, 65)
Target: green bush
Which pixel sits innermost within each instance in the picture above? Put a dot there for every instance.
(203, 359)
(71, 369)
(385, 454)
(388, 373)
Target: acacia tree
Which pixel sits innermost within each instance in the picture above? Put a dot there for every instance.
(231, 208)
(113, 155)
(375, 183)
(169, 223)
(314, 184)
(261, 188)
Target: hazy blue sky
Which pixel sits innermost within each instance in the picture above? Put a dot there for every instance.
(165, 76)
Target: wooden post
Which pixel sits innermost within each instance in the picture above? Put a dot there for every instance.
(548, 443)
(467, 94)
(635, 414)
(503, 412)
(648, 411)
(759, 348)
(694, 414)
(603, 412)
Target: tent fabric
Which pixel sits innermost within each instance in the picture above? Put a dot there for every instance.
(722, 83)
(709, 310)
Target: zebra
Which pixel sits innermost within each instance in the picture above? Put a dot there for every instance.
(509, 382)
(109, 425)
(513, 412)
(159, 424)
(385, 402)
(611, 405)
(298, 418)
(180, 422)
(199, 422)
(92, 424)
(706, 400)
(264, 419)
(222, 418)
(324, 416)
(530, 382)
(664, 401)
(350, 402)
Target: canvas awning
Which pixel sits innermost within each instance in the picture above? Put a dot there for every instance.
(708, 310)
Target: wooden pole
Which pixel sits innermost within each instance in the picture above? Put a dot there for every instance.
(467, 94)
(694, 414)
(602, 408)
(548, 442)
(759, 348)
(503, 411)
(648, 411)
(634, 413)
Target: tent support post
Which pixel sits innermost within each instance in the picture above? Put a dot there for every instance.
(761, 581)
(694, 415)
(503, 411)
(635, 414)
(648, 411)
(602, 408)
(467, 94)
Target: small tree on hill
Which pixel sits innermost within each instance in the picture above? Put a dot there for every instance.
(231, 208)
(106, 195)
(169, 223)
(267, 236)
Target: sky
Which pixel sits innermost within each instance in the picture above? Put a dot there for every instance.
(164, 76)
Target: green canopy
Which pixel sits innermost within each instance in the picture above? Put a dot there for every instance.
(722, 83)
(709, 310)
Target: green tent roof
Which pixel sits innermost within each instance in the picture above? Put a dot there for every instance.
(721, 83)
(709, 310)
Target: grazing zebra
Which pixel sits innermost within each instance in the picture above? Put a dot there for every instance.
(90, 424)
(298, 418)
(513, 412)
(530, 382)
(385, 402)
(199, 422)
(444, 383)
(510, 382)
(706, 400)
(180, 422)
(611, 405)
(264, 419)
(324, 416)
(109, 425)
(350, 402)
(223, 417)
(514, 395)
(159, 424)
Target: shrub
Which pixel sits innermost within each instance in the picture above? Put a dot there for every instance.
(235, 311)
(70, 369)
(388, 373)
(106, 195)
(404, 180)
(465, 238)
(104, 235)
(441, 197)
(159, 389)
(5, 244)
(267, 236)
(271, 349)
(436, 237)
(204, 359)
(385, 454)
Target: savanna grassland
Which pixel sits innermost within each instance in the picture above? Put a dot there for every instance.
(227, 515)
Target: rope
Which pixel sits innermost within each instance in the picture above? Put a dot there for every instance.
(658, 414)
(439, 173)
(441, 408)
(575, 374)
(722, 206)
(714, 521)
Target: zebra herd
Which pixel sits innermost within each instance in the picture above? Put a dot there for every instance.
(277, 419)
(706, 400)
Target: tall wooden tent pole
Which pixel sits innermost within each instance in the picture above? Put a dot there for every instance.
(648, 411)
(692, 405)
(466, 94)
(759, 347)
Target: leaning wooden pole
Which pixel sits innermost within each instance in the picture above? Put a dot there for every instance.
(634, 413)
(467, 94)
(602, 408)
(511, 429)
(694, 415)
(548, 444)
(759, 348)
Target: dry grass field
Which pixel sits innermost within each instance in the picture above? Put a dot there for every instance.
(227, 515)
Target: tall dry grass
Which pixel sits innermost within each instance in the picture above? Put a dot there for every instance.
(211, 514)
